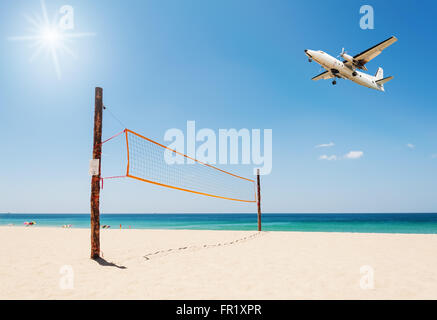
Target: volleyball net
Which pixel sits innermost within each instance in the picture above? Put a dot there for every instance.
(151, 162)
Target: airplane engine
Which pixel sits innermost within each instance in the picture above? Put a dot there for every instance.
(348, 57)
(355, 63)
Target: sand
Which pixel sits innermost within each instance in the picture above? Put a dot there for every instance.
(53, 263)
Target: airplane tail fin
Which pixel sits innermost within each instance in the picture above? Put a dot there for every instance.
(379, 74)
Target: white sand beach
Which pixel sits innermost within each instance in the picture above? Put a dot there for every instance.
(214, 265)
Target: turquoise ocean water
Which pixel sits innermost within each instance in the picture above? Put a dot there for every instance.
(368, 223)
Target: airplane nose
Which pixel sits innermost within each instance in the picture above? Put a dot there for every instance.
(306, 50)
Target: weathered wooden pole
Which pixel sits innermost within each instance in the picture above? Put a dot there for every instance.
(258, 200)
(95, 180)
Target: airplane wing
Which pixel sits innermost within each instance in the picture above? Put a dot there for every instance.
(323, 76)
(365, 56)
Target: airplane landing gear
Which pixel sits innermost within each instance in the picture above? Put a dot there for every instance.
(310, 60)
(334, 82)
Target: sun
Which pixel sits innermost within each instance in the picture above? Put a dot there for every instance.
(51, 36)
(47, 36)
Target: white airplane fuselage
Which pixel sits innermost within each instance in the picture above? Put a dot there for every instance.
(340, 70)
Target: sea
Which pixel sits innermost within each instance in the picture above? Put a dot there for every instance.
(425, 223)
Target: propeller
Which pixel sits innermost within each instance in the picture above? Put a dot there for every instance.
(341, 53)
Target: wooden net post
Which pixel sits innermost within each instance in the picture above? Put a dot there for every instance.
(95, 180)
(258, 199)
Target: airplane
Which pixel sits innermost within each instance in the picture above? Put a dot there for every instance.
(348, 68)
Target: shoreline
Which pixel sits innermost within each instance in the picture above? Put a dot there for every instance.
(218, 230)
(218, 213)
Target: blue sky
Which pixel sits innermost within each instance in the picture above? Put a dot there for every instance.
(224, 64)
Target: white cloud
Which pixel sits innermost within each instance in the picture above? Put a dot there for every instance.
(325, 145)
(354, 155)
(329, 158)
(411, 146)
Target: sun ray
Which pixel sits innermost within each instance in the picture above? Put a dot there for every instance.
(79, 35)
(37, 52)
(39, 20)
(24, 38)
(36, 43)
(44, 12)
(32, 21)
(55, 18)
(56, 63)
(64, 47)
